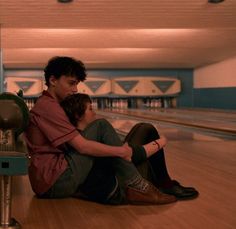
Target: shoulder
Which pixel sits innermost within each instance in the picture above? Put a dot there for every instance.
(102, 121)
(46, 104)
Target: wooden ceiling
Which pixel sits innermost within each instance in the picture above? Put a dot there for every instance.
(118, 34)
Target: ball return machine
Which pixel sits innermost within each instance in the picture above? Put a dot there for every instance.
(14, 116)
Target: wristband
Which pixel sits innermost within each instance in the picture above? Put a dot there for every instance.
(158, 145)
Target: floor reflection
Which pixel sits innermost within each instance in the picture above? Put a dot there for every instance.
(173, 134)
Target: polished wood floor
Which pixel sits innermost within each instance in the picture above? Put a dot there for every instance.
(205, 162)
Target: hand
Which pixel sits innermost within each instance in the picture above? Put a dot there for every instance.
(162, 141)
(126, 152)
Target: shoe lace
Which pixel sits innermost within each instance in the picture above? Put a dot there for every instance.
(153, 187)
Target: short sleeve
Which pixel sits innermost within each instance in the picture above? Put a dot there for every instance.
(53, 123)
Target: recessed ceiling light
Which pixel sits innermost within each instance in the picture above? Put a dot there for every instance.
(215, 1)
(65, 1)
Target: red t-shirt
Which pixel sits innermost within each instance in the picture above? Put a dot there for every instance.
(48, 129)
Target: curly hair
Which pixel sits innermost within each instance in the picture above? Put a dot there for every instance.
(75, 106)
(62, 65)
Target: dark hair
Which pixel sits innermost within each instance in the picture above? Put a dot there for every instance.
(75, 106)
(62, 65)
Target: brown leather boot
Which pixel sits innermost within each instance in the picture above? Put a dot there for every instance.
(150, 196)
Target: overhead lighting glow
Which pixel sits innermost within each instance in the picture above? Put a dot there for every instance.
(65, 1)
(215, 1)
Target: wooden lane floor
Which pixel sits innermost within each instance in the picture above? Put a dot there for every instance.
(212, 120)
(205, 162)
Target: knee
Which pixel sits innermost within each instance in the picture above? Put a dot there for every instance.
(149, 130)
(147, 126)
(142, 133)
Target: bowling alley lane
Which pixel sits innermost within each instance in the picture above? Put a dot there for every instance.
(176, 124)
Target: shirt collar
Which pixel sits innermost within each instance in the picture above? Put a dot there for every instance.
(46, 93)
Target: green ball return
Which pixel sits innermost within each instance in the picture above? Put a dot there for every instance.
(14, 116)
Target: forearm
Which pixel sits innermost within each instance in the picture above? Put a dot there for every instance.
(92, 148)
(154, 146)
(100, 150)
(142, 152)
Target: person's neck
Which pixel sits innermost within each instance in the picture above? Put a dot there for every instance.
(52, 93)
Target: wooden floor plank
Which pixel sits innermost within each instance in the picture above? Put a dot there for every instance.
(209, 164)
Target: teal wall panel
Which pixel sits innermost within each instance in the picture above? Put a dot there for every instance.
(218, 98)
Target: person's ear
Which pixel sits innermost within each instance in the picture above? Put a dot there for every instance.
(52, 80)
